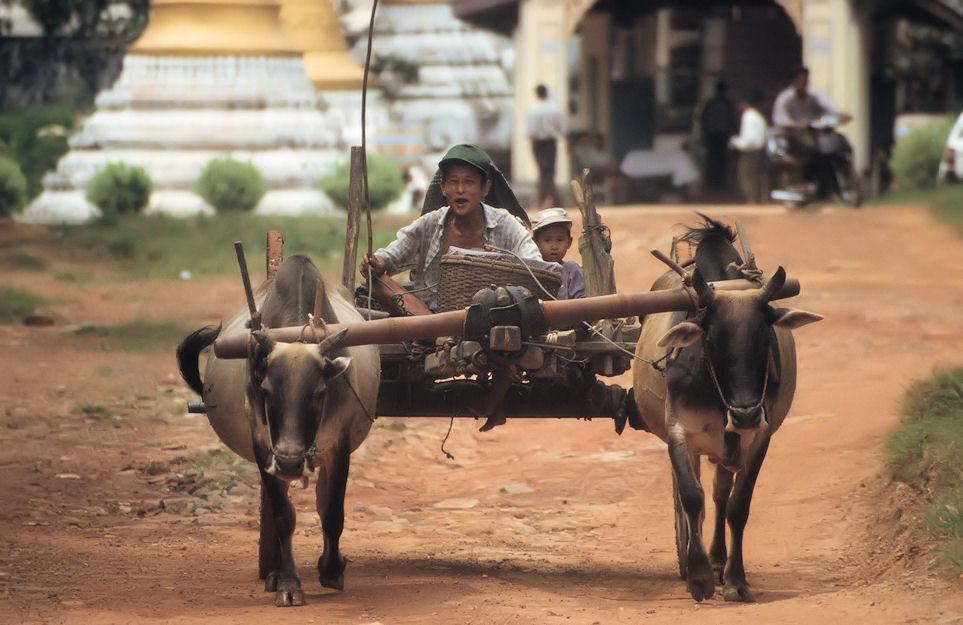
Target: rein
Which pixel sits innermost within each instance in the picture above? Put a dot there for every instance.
(722, 396)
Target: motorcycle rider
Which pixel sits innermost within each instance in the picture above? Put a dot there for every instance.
(795, 109)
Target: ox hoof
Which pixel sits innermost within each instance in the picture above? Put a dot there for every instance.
(738, 593)
(289, 597)
(701, 582)
(287, 591)
(332, 578)
(336, 583)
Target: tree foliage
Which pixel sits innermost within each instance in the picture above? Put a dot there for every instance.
(79, 53)
(121, 21)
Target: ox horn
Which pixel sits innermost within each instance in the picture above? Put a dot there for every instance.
(773, 284)
(747, 256)
(318, 299)
(265, 341)
(331, 341)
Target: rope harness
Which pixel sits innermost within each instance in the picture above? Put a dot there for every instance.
(722, 396)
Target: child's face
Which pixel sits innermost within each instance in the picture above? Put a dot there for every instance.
(553, 242)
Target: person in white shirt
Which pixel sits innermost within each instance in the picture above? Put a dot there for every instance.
(751, 143)
(545, 126)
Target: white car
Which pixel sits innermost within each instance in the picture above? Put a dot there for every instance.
(951, 163)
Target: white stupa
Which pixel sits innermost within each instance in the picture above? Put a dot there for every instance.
(462, 92)
(210, 78)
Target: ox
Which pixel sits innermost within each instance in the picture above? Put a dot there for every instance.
(290, 407)
(727, 385)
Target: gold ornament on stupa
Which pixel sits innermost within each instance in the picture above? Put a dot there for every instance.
(314, 26)
(201, 28)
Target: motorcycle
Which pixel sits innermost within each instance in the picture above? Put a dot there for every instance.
(827, 166)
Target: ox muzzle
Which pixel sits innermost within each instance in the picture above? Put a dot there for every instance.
(290, 467)
(742, 420)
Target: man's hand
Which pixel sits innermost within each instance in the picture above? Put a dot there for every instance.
(376, 263)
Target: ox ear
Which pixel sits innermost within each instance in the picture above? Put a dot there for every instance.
(681, 335)
(790, 318)
(335, 367)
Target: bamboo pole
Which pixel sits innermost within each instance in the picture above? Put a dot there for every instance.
(350, 266)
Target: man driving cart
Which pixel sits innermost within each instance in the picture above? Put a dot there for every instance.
(466, 222)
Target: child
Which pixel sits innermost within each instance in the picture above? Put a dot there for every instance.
(552, 231)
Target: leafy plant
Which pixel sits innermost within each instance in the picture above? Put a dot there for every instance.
(135, 336)
(228, 184)
(96, 411)
(384, 182)
(36, 139)
(916, 156)
(387, 63)
(15, 304)
(145, 247)
(13, 187)
(926, 452)
(23, 262)
(119, 188)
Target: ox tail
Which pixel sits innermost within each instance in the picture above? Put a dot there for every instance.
(189, 352)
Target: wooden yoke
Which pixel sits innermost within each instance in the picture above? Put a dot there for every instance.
(561, 313)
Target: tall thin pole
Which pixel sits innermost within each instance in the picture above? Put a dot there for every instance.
(364, 108)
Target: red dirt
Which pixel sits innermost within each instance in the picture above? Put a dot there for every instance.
(541, 521)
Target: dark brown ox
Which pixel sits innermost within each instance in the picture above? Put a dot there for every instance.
(729, 379)
(291, 408)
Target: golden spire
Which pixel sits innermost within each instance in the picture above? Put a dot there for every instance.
(214, 28)
(314, 26)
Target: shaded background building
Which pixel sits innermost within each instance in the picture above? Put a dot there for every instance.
(445, 72)
(636, 71)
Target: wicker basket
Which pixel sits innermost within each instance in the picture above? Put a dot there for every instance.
(463, 276)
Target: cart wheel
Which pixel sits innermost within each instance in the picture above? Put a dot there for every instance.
(681, 530)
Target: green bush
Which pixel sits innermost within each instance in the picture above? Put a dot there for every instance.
(916, 156)
(228, 184)
(384, 182)
(13, 187)
(36, 139)
(119, 188)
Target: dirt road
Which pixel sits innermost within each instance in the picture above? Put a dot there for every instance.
(536, 522)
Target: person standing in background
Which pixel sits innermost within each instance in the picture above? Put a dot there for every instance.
(545, 127)
(751, 144)
(718, 121)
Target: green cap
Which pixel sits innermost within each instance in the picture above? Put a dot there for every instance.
(469, 154)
